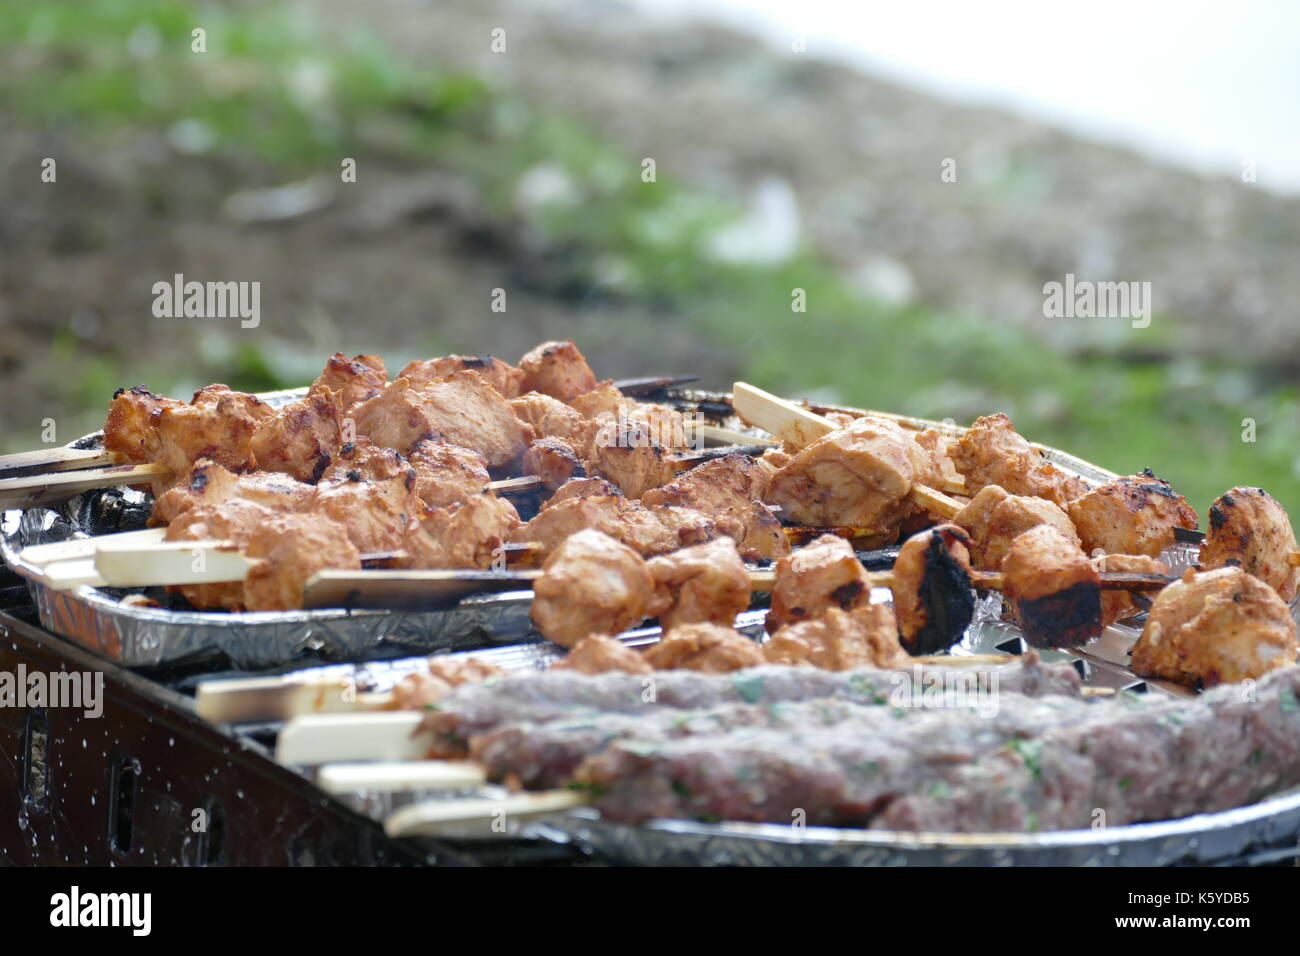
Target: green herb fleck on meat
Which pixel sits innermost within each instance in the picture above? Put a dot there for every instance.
(1286, 698)
(1031, 752)
(750, 689)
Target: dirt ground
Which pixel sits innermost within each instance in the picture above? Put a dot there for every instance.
(405, 262)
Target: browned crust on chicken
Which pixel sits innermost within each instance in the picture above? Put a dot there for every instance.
(467, 534)
(131, 430)
(1135, 514)
(1249, 528)
(462, 409)
(355, 379)
(301, 438)
(706, 647)
(210, 484)
(1219, 626)
(446, 474)
(218, 424)
(553, 461)
(933, 599)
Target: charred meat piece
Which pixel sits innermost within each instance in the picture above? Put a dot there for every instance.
(354, 380)
(1136, 514)
(210, 484)
(703, 646)
(1053, 589)
(447, 474)
(1250, 529)
(557, 369)
(839, 640)
(553, 461)
(462, 409)
(934, 602)
(301, 438)
(823, 574)
(994, 518)
(131, 430)
(591, 584)
(992, 452)
(600, 654)
(707, 582)
(1219, 626)
(468, 534)
(502, 376)
(1118, 605)
(859, 475)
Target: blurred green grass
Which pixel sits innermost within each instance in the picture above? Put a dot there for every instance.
(275, 87)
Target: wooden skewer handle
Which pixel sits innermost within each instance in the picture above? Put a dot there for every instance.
(793, 424)
(55, 459)
(486, 815)
(35, 490)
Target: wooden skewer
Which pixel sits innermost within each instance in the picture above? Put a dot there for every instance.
(400, 776)
(41, 555)
(60, 458)
(329, 738)
(485, 814)
(34, 490)
(251, 699)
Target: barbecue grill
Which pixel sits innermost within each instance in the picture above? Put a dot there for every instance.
(150, 782)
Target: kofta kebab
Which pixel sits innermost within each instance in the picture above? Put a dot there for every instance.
(638, 524)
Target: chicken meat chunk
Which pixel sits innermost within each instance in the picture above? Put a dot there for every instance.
(707, 582)
(994, 518)
(601, 654)
(1053, 589)
(462, 409)
(502, 376)
(1218, 626)
(466, 534)
(557, 369)
(553, 461)
(446, 474)
(839, 640)
(992, 452)
(210, 484)
(301, 438)
(933, 598)
(859, 475)
(1250, 529)
(704, 646)
(1136, 514)
(591, 584)
(354, 380)
(825, 573)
